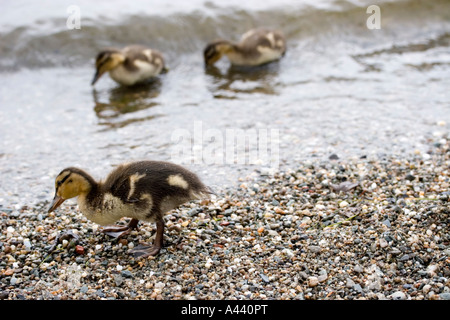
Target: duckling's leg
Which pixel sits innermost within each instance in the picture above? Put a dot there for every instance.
(147, 250)
(118, 232)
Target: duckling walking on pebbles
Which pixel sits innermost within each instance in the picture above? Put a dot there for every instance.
(257, 47)
(143, 190)
(131, 65)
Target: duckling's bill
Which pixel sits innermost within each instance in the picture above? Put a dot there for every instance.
(57, 201)
(96, 77)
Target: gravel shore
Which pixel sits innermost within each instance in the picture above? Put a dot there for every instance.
(354, 229)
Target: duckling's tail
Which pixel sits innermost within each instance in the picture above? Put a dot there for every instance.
(203, 193)
(209, 191)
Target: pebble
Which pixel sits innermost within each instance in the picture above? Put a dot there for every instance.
(13, 281)
(398, 295)
(445, 296)
(314, 249)
(313, 281)
(264, 277)
(299, 233)
(343, 204)
(27, 244)
(126, 274)
(358, 269)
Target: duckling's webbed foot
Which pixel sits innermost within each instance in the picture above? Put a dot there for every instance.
(142, 251)
(145, 250)
(119, 232)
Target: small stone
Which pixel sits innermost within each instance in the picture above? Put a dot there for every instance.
(185, 223)
(350, 283)
(118, 280)
(358, 269)
(264, 277)
(383, 243)
(79, 249)
(445, 296)
(84, 289)
(159, 285)
(79, 260)
(322, 278)
(313, 281)
(9, 272)
(431, 269)
(343, 204)
(426, 288)
(27, 244)
(126, 274)
(314, 249)
(398, 295)
(13, 281)
(405, 257)
(357, 287)
(333, 157)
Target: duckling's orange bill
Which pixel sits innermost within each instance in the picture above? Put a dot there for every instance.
(57, 200)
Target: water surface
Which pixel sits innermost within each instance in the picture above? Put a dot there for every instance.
(341, 88)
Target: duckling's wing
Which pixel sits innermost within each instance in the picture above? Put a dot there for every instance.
(122, 189)
(122, 182)
(141, 53)
(262, 37)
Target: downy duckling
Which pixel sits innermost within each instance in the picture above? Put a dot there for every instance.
(131, 65)
(257, 47)
(142, 190)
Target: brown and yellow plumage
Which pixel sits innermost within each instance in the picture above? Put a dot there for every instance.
(142, 190)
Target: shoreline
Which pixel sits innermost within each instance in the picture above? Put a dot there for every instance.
(350, 229)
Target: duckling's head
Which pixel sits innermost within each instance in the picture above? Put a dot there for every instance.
(71, 182)
(215, 50)
(107, 60)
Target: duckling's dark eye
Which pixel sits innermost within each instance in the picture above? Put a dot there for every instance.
(59, 183)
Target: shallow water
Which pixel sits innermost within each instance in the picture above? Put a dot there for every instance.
(341, 88)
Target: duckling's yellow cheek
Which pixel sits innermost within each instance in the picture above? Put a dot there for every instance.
(67, 191)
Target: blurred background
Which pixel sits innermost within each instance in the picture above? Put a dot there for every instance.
(342, 89)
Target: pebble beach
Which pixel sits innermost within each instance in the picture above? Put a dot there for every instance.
(361, 229)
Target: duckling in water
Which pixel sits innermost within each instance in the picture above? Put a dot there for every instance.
(131, 65)
(257, 47)
(143, 190)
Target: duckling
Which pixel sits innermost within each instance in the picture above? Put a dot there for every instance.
(257, 46)
(142, 190)
(131, 65)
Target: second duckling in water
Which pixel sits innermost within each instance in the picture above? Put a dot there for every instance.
(257, 47)
(131, 65)
(143, 190)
